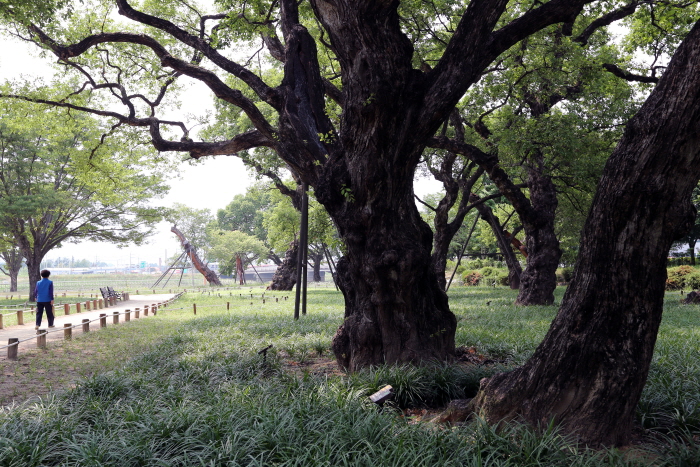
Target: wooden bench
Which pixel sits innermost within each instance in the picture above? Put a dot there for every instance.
(108, 292)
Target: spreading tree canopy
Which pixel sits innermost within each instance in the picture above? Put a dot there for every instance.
(59, 182)
(361, 91)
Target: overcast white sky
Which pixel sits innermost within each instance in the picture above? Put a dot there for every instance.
(211, 185)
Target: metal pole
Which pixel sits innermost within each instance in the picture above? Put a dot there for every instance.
(461, 253)
(330, 267)
(305, 242)
(301, 253)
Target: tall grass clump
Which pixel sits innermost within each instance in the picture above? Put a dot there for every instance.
(204, 395)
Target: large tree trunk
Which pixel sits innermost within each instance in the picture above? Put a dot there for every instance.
(589, 371)
(316, 259)
(199, 265)
(34, 259)
(538, 281)
(286, 274)
(395, 311)
(691, 248)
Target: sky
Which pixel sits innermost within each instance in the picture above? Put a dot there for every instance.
(209, 185)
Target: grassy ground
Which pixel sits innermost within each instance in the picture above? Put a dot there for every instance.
(180, 389)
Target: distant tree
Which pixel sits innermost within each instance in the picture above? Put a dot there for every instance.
(693, 235)
(283, 222)
(245, 214)
(193, 224)
(12, 256)
(61, 181)
(227, 246)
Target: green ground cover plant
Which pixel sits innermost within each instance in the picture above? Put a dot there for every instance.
(181, 389)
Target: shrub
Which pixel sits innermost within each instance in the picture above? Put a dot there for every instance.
(488, 271)
(676, 277)
(502, 279)
(472, 278)
(474, 264)
(565, 274)
(450, 266)
(692, 281)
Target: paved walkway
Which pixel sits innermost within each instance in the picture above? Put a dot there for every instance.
(27, 331)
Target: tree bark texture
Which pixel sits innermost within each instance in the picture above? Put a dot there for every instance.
(34, 272)
(589, 371)
(286, 274)
(691, 247)
(538, 281)
(203, 269)
(316, 258)
(33, 255)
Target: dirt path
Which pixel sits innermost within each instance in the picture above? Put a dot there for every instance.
(27, 331)
(39, 371)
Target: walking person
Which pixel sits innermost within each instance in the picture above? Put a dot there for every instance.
(44, 298)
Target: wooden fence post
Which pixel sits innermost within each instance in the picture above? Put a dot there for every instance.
(20, 316)
(94, 304)
(67, 331)
(1, 326)
(194, 308)
(41, 338)
(137, 311)
(12, 349)
(154, 309)
(127, 315)
(145, 310)
(86, 325)
(100, 303)
(66, 308)
(87, 305)
(103, 320)
(115, 318)
(228, 306)
(78, 307)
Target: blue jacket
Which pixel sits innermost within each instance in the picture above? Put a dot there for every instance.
(44, 290)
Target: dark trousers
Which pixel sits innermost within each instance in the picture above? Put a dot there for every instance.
(40, 312)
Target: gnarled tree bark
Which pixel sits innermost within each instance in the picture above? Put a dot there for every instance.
(286, 274)
(589, 371)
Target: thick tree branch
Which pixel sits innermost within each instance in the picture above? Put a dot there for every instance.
(606, 20)
(266, 93)
(220, 89)
(627, 76)
(490, 164)
(474, 45)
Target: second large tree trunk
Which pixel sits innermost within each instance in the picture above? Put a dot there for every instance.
(538, 280)
(395, 311)
(589, 371)
(286, 274)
